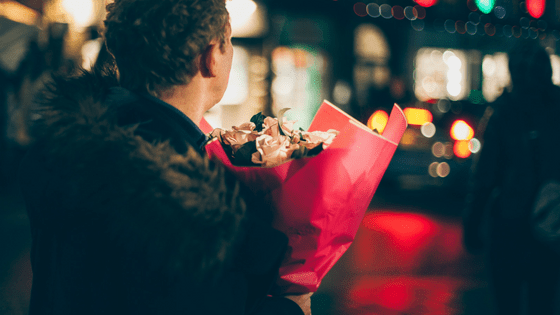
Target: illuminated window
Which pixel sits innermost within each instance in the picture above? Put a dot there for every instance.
(370, 43)
(495, 75)
(440, 73)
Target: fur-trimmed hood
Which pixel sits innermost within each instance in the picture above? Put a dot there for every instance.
(178, 212)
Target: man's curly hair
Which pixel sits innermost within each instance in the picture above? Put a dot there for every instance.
(155, 43)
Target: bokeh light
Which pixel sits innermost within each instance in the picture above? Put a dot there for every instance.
(410, 13)
(450, 26)
(373, 10)
(426, 3)
(443, 169)
(378, 120)
(535, 7)
(460, 27)
(461, 149)
(386, 11)
(485, 6)
(360, 9)
(420, 11)
(500, 12)
(398, 12)
(428, 130)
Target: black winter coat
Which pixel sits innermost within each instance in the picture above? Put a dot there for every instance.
(128, 217)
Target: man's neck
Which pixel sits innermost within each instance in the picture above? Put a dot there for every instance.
(191, 99)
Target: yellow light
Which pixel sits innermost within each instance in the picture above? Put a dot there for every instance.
(18, 12)
(417, 116)
(408, 138)
(460, 130)
(461, 149)
(246, 18)
(81, 12)
(378, 120)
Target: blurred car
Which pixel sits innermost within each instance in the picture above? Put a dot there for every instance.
(437, 149)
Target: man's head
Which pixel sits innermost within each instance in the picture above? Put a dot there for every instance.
(157, 44)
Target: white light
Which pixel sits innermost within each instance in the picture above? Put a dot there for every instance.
(454, 89)
(428, 130)
(436, 56)
(488, 66)
(342, 93)
(454, 76)
(474, 145)
(453, 62)
(241, 12)
(555, 61)
(82, 12)
(447, 54)
(429, 84)
(283, 85)
(90, 51)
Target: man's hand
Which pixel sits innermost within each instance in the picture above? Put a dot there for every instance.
(304, 301)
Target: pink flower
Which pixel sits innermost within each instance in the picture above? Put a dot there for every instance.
(248, 126)
(273, 151)
(314, 138)
(236, 139)
(270, 127)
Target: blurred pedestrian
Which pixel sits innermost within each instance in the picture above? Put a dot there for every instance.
(520, 150)
(127, 214)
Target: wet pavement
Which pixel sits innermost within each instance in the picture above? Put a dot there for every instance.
(407, 258)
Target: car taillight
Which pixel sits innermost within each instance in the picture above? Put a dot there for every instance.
(417, 116)
(460, 130)
(461, 149)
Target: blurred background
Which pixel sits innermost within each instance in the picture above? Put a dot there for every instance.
(442, 61)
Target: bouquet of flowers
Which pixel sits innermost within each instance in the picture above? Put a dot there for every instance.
(267, 141)
(320, 181)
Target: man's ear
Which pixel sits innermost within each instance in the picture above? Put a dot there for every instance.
(209, 60)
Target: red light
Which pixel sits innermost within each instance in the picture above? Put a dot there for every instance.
(426, 3)
(360, 9)
(461, 149)
(535, 7)
(460, 130)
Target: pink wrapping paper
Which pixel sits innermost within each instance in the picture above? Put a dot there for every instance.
(320, 201)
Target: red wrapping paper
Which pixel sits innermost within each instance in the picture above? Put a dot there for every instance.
(320, 201)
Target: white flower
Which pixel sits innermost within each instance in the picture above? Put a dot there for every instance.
(273, 151)
(248, 126)
(314, 138)
(236, 139)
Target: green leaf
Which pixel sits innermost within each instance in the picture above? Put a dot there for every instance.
(242, 156)
(258, 120)
(281, 119)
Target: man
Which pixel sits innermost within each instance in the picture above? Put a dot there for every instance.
(127, 214)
